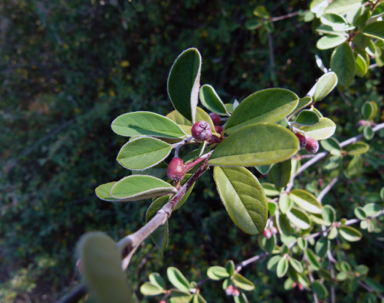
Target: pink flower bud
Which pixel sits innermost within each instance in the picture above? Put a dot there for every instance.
(267, 233)
(235, 292)
(362, 123)
(229, 290)
(215, 118)
(273, 230)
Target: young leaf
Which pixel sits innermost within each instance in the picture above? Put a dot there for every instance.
(354, 167)
(150, 289)
(307, 118)
(350, 234)
(368, 132)
(312, 259)
(143, 153)
(177, 279)
(343, 64)
(243, 198)
(299, 218)
(261, 12)
(242, 283)
(282, 267)
(263, 169)
(211, 100)
(146, 124)
(137, 187)
(306, 201)
(280, 173)
(102, 272)
(161, 234)
(268, 105)
(257, 144)
(375, 30)
(358, 148)
(324, 86)
(217, 273)
(361, 66)
(230, 267)
(323, 130)
(369, 110)
(184, 83)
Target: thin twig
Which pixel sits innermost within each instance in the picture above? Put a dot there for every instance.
(274, 19)
(327, 189)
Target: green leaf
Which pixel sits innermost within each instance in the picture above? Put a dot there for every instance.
(137, 187)
(268, 105)
(241, 298)
(324, 86)
(230, 267)
(177, 279)
(272, 263)
(306, 201)
(372, 209)
(146, 124)
(179, 296)
(257, 144)
(360, 213)
(354, 167)
(266, 244)
(330, 144)
(318, 219)
(150, 289)
(142, 153)
(263, 169)
(330, 41)
(102, 272)
(243, 198)
(299, 218)
(361, 41)
(342, 6)
(302, 242)
(307, 118)
(324, 274)
(361, 65)
(312, 259)
(271, 208)
(368, 132)
(197, 298)
(323, 130)
(369, 110)
(157, 171)
(185, 124)
(161, 235)
(361, 269)
(374, 285)
(217, 273)
(184, 83)
(343, 64)
(358, 148)
(296, 265)
(319, 289)
(253, 24)
(261, 12)
(285, 203)
(282, 267)
(103, 192)
(211, 100)
(303, 102)
(280, 173)
(329, 214)
(157, 280)
(349, 233)
(270, 189)
(321, 247)
(337, 22)
(332, 233)
(283, 225)
(242, 283)
(375, 30)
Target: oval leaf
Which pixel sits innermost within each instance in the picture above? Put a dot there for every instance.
(179, 296)
(143, 153)
(321, 247)
(138, 187)
(296, 265)
(184, 82)
(328, 214)
(211, 100)
(217, 273)
(285, 203)
(268, 105)
(103, 192)
(306, 201)
(299, 218)
(325, 85)
(307, 118)
(358, 148)
(312, 259)
(157, 280)
(243, 283)
(343, 64)
(280, 173)
(177, 279)
(102, 272)
(320, 290)
(272, 263)
(282, 267)
(350, 234)
(330, 41)
(323, 130)
(257, 144)
(375, 29)
(150, 289)
(243, 198)
(372, 209)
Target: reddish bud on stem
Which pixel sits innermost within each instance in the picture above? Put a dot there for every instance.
(267, 233)
(362, 123)
(218, 129)
(215, 118)
(273, 230)
(201, 131)
(229, 290)
(302, 140)
(176, 170)
(312, 145)
(235, 292)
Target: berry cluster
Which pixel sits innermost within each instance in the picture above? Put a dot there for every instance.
(309, 143)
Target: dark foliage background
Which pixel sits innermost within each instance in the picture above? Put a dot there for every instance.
(68, 68)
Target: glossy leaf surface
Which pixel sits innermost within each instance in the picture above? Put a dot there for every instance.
(211, 100)
(323, 130)
(306, 201)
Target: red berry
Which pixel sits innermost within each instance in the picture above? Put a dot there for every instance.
(302, 140)
(201, 131)
(312, 145)
(162, 301)
(235, 292)
(215, 118)
(229, 290)
(273, 230)
(218, 129)
(176, 170)
(361, 123)
(267, 233)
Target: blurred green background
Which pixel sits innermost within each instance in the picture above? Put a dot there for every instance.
(68, 68)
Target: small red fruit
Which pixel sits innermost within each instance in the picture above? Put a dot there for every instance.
(273, 230)
(267, 233)
(229, 290)
(201, 131)
(216, 119)
(235, 292)
(162, 301)
(362, 123)
(302, 140)
(176, 170)
(218, 129)
(312, 145)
